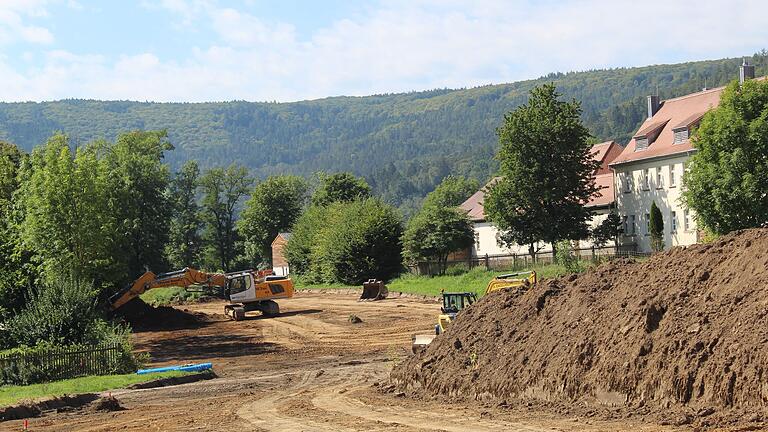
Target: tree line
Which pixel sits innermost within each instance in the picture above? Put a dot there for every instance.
(402, 144)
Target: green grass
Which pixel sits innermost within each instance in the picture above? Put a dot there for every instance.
(87, 384)
(169, 295)
(457, 280)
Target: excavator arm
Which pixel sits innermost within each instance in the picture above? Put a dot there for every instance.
(184, 278)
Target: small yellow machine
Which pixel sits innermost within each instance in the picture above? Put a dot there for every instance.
(453, 303)
(246, 290)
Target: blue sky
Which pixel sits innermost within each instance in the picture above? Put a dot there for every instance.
(212, 50)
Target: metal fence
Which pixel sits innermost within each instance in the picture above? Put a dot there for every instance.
(524, 261)
(56, 363)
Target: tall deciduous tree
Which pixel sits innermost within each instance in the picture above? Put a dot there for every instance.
(67, 218)
(185, 241)
(137, 181)
(340, 187)
(274, 206)
(451, 192)
(440, 227)
(223, 188)
(546, 172)
(728, 174)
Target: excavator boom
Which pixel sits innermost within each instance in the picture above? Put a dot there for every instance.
(184, 278)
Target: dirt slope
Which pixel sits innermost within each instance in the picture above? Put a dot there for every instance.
(684, 331)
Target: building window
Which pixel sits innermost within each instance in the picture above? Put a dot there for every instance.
(632, 227)
(477, 241)
(659, 178)
(647, 224)
(673, 222)
(641, 143)
(627, 182)
(686, 220)
(672, 179)
(625, 226)
(681, 135)
(646, 179)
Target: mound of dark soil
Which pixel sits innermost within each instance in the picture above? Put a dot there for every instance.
(142, 316)
(109, 403)
(684, 331)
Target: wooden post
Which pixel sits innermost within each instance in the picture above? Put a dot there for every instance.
(487, 264)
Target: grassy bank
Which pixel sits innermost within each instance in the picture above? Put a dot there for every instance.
(474, 280)
(89, 384)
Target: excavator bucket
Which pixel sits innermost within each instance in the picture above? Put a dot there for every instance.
(374, 290)
(420, 342)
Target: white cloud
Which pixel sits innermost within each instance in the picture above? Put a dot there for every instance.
(397, 45)
(12, 22)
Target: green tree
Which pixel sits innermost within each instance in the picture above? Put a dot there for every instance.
(440, 227)
(436, 232)
(298, 251)
(185, 241)
(137, 181)
(360, 240)
(728, 174)
(546, 172)
(340, 187)
(223, 188)
(67, 221)
(274, 206)
(609, 229)
(451, 192)
(656, 226)
(10, 159)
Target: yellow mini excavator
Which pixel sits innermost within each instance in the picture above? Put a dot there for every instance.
(246, 290)
(454, 302)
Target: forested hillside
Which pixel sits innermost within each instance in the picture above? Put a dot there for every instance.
(404, 144)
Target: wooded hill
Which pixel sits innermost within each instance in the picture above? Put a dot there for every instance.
(403, 144)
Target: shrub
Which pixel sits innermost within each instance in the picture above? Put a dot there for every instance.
(347, 242)
(565, 256)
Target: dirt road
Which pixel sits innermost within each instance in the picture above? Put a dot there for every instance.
(309, 369)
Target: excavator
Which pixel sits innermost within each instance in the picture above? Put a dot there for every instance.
(246, 290)
(454, 302)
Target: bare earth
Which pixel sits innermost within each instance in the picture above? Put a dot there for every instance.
(306, 370)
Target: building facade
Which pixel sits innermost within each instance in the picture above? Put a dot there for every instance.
(487, 234)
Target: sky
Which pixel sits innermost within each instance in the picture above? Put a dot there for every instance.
(287, 50)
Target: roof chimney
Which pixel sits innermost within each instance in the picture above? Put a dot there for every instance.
(653, 105)
(746, 71)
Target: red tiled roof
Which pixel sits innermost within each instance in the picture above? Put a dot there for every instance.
(604, 152)
(605, 183)
(673, 113)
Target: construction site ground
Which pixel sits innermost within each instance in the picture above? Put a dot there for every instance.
(310, 369)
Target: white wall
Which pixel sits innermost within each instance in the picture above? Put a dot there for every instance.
(636, 201)
(486, 235)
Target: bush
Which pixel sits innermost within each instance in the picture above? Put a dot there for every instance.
(565, 256)
(347, 242)
(62, 312)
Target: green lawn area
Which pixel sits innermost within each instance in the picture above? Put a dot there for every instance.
(458, 280)
(87, 384)
(169, 295)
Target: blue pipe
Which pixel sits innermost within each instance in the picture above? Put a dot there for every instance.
(183, 368)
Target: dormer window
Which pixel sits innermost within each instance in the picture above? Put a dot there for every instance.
(641, 143)
(681, 134)
(647, 135)
(682, 130)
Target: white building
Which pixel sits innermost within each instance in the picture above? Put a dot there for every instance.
(650, 169)
(487, 234)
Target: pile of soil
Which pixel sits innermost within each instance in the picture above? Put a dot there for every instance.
(143, 317)
(683, 332)
(109, 403)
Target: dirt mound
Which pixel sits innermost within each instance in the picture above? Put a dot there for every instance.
(684, 331)
(142, 317)
(109, 403)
